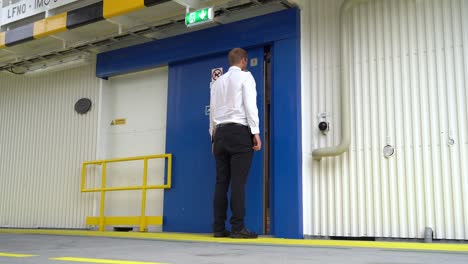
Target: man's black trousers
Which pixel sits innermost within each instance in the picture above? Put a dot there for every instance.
(233, 153)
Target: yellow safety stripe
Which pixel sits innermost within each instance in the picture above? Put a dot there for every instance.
(103, 261)
(455, 247)
(14, 255)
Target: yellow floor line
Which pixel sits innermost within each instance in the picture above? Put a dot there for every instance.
(10, 255)
(260, 241)
(103, 261)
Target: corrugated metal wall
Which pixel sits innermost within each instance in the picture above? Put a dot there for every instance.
(42, 144)
(409, 89)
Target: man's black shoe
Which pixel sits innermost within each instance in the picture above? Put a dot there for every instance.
(244, 233)
(223, 233)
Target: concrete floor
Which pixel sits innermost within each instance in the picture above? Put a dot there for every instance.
(152, 251)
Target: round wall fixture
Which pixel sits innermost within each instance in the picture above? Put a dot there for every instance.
(83, 106)
(388, 151)
(451, 142)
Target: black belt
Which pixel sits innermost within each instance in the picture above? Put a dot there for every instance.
(229, 124)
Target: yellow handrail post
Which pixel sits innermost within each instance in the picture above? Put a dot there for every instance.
(83, 176)
(103, 197)
(143, 198)
(169, 171)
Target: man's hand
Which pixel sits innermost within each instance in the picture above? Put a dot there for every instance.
(257, 142)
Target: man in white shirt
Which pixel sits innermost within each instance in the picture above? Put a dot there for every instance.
(235, 133)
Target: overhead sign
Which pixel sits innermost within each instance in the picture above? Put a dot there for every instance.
(26, 8)
(198, 17)
(216, 73)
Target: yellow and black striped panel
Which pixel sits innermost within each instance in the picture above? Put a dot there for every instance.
(2, 40)
(19, 35)
(50, 25)
(114, 8)
(73, 19)
(85, 15)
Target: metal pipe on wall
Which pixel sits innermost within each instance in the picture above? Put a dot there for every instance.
(320, 153)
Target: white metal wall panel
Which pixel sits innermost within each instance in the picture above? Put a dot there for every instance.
(42, 144)
(409, 71)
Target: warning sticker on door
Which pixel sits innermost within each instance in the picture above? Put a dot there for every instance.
(216, 73)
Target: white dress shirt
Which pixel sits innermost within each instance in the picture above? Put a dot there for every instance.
(234, 100)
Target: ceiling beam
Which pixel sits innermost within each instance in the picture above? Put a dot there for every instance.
(194, 4)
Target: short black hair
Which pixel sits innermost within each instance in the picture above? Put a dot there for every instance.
(236, 55)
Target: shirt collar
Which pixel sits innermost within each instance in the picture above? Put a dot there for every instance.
(235, 68)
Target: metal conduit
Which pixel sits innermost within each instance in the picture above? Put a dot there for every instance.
(320, 153)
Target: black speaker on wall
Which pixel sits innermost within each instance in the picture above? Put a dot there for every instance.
(83, 106)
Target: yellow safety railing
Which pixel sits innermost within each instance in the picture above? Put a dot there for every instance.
(143, 221)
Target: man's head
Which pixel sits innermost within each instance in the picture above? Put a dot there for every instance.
(238, 57)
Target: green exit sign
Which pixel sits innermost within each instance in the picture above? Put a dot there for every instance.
(199, 17)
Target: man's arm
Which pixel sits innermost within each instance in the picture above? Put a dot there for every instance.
(249, 96)
(212, 126)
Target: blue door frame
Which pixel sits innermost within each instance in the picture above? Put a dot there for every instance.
(280, 30)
